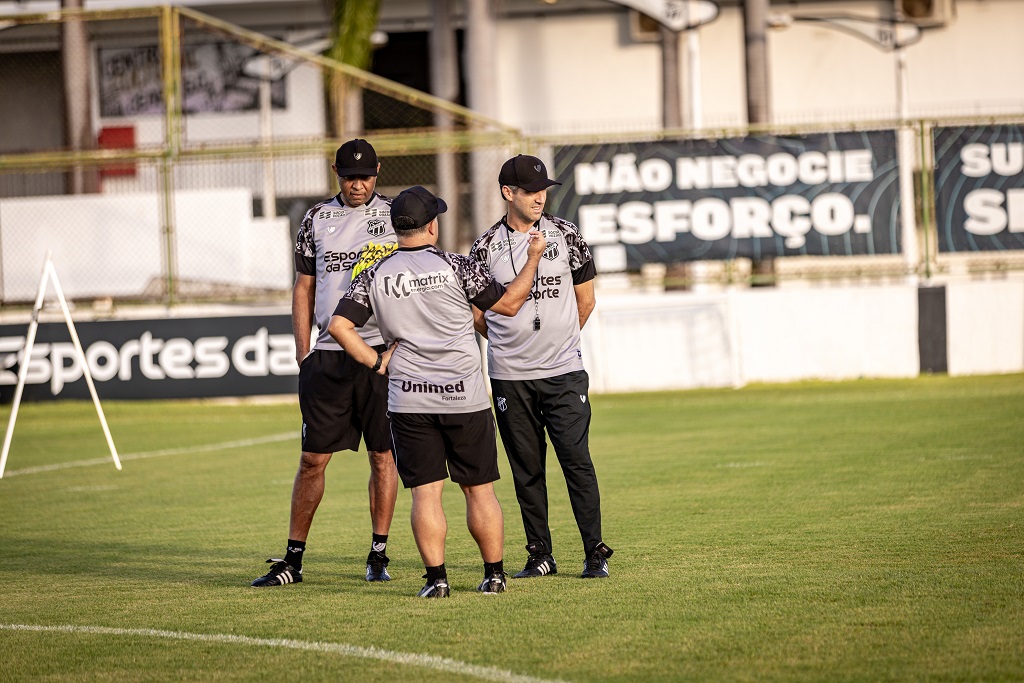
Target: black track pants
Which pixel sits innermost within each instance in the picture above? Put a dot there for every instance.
(524, 409)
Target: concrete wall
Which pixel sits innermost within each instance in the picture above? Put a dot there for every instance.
(579, 72)
(985, 327)
(641, 342)
(123, 254)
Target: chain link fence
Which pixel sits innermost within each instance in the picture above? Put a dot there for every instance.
(214, 141)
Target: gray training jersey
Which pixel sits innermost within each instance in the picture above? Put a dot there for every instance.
(421, 297)
(335, 243)
(517, 351)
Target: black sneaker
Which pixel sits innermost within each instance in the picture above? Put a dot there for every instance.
(377, 566)
(596, 566)
(540, 563)
(493, 584)
(280, 574)
(438, 588)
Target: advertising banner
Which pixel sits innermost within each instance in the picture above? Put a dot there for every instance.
(132, 359)
(979, 188)
(213, 80)
(829, 194)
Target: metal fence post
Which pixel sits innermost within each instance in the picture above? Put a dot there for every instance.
(170, 59)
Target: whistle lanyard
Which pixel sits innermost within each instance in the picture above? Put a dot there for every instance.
(536, 276)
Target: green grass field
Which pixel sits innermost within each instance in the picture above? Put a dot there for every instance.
(869, 530)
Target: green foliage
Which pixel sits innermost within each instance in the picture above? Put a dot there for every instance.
(864, 530)
(352, 23)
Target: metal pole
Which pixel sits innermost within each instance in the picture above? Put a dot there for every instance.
(77, 100)
(671, 109)
(267, 137)
(171, 59)
(26, 354)
(444, 81)
(85, 361)
(905, 154)
(694, 95)
(755, 21)
(481, 75)
(926, 197)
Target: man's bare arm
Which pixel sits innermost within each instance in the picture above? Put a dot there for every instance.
(585, 300)
(303, 307)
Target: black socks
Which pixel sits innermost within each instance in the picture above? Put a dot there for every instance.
(293, 556)
(435, 573)
(491, 568)
(379, 543)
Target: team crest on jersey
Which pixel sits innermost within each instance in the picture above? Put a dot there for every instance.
(551, 252)
(500, 400)
(376, 227)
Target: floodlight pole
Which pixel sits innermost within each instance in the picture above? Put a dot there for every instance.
(894, 34)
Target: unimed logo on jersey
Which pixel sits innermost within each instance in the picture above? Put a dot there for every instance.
(447, 391)
(401, 285)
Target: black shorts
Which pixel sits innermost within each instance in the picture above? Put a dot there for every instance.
(340, 401)
(429, 446)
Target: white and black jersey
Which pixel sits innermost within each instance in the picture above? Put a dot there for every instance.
(421, 299)
(335, 243)
(517, 350)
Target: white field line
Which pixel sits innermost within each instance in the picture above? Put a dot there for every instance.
(486, 673)
(224, 445)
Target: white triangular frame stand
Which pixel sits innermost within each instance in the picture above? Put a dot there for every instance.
(50, 274)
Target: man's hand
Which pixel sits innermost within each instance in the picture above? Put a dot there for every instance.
(537, 243)
(385, 358)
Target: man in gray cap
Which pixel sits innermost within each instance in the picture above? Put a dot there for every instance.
(340, 400)
(441, 419)
(536, 364)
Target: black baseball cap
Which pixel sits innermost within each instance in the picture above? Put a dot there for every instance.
(414, 208)
(356, 157)
(526, 172)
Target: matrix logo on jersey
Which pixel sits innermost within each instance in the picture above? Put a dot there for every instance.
(331, 213)
(376, 213)
(401, 285)
(551, 252)
(376, 227)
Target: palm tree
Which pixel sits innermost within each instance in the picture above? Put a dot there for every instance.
(352, 23)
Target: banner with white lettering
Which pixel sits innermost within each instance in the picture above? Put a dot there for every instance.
(828, 194)
(979, 188)
(178, 358)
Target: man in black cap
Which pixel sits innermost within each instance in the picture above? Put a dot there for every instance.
(536, 364)
(340, 400)
(441, 418)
